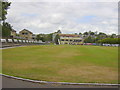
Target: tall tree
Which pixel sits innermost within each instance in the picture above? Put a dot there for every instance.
(113, 35)
(92, 33)
(100, 33)
(49, 37)
(110, 41)
(80, 33)
(89, 40)
(59, 31)
(85, 33)
(5, 5)
(6, 27)
(41, 37)
(76, 34)
(56, 39)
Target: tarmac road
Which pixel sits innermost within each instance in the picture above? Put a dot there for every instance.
(14, 83)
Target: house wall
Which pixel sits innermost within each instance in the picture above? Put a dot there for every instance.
(25, 34)
(71, 40)
(13, 33)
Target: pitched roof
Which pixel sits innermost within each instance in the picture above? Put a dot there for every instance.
(69, 35)
(13, 30)
(26, 30)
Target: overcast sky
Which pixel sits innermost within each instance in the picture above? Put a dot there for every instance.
(70, 16)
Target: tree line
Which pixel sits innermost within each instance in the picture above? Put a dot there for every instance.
(44, 37)
(110, 41)
(6, 28)
(89, 37)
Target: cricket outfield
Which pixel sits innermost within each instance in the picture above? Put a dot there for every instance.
(62, 63)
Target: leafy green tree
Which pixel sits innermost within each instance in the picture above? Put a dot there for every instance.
(101, 33)
(92, 33)
(41, 37)
(110, 41)
(118, 41)
(80, 33)
(5, 5)
(56, 39)
(85, 33)
(49, 37)
(6, 27)
(97, 38)
(113, 36)
(76, 34)
(38, 37)
(0, 11)
(59, 31)
(89, 40)
(44, 37)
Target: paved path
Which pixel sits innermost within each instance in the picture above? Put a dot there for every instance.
(11, 47)
(14, 83)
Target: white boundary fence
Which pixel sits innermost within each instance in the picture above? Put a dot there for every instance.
(14, 42)
(116, 45)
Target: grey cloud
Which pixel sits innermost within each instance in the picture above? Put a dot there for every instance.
(50, 16)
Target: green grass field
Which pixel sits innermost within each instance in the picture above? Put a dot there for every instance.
(63, 63)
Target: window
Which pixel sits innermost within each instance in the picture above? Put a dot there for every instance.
(62, 39)
(24, 33)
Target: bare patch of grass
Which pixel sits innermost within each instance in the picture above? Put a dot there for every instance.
(63, 63)
(91, 72)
